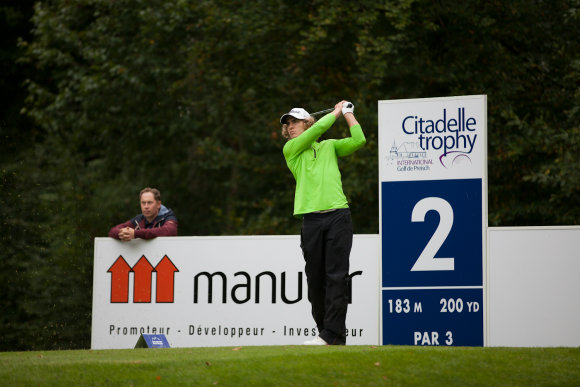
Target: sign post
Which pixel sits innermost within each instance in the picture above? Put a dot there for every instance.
(433, 219)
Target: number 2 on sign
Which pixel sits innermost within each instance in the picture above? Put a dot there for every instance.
(427, 260)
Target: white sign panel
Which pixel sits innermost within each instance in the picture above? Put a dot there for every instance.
(432, 138)
(220, 291)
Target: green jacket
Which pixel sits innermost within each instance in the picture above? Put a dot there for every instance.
(315, 166)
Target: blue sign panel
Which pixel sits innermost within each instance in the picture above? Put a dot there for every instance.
(450, 227)
(446, 317)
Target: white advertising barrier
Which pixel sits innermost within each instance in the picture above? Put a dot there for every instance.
(220, 291)
(534, 286)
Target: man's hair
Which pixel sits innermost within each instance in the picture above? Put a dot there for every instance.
(154, 191)
(308, 121)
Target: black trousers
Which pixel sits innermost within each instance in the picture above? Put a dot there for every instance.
(326, 241)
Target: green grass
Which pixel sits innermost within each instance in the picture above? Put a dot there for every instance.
(295, 366)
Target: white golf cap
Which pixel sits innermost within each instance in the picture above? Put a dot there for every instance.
(298, 113)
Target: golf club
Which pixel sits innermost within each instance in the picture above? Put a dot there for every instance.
(327, 110)
(322, 112)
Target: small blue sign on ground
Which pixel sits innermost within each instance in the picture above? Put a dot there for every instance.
(152, 341)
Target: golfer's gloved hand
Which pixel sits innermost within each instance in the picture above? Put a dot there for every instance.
(347, 107)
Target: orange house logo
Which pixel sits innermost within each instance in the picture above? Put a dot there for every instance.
(142, 280)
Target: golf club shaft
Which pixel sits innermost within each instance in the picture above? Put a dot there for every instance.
(322, 112)
(349, 104)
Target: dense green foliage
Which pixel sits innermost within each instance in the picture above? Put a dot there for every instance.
(295, 366)
(185, 96)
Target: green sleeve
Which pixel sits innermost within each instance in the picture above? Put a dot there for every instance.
(297, 145)
(348, 145)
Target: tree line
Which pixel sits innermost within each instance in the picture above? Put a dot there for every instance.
(103, 98)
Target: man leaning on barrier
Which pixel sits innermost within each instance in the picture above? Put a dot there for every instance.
(155, 220)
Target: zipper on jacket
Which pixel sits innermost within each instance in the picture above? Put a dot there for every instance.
(314, 150)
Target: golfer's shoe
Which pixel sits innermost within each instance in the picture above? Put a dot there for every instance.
(316, 341)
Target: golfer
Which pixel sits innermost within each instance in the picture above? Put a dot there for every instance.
(326, 235)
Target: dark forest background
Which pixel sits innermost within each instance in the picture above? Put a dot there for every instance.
(102, 98)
